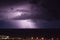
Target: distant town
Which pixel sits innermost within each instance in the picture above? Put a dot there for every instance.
(29, 34)
(5, 37)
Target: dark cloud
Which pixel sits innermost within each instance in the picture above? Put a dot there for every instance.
(45, 13)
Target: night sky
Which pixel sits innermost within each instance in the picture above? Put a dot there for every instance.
(30, 14)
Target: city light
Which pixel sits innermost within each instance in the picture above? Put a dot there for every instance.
(52, 38)
(4, 37)
(32, 38)
(26, 38)
(42, 38)
(37, 38)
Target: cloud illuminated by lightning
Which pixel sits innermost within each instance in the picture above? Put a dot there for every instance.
(28, 23)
